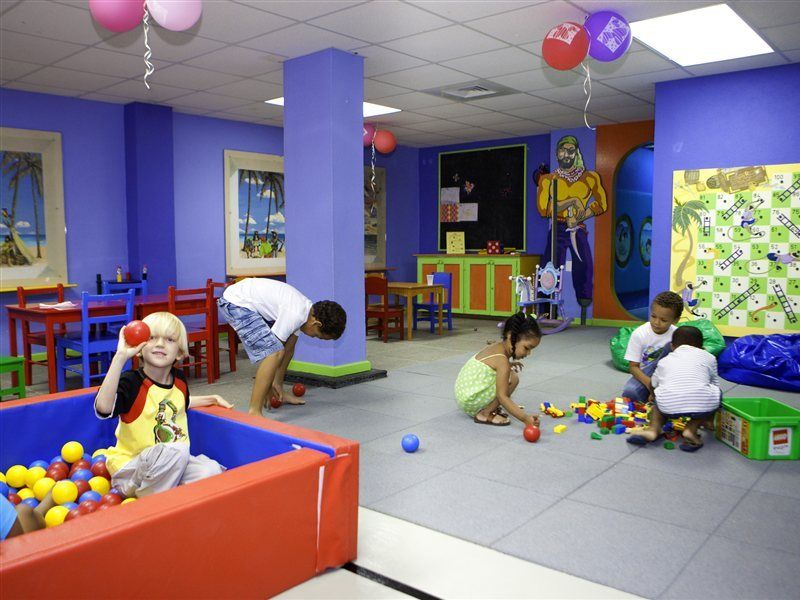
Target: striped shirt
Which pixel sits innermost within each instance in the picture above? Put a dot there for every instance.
(686, 381)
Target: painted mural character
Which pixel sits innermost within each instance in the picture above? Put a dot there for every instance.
(782, 258)
(580, 197)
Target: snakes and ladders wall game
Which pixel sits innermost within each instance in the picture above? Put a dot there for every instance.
(735, 255)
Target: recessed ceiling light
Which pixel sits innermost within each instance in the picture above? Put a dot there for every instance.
(370, 109)
(700, 36)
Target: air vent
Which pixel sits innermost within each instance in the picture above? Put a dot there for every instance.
(467, 93)
(472, 90)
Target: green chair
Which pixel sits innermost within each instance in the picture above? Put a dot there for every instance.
(13, 364)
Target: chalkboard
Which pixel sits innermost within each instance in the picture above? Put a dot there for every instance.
(491, 180)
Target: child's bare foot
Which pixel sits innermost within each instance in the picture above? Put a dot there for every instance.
(293, 400)
(692, 437)
(642, 437)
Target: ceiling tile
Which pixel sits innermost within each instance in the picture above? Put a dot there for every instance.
(230, 22)
(301, 11)
(55, 22)
(524, 127)
(275, 76)
(378, 22)
(452, 109)
(413, 101)
(539, 79)
(136, 91)
(633, 63)
(233, 117)
(249, 89)
(104, 98)
(69, 79)
(437, 126)
(462, 12)
(443, 44)
(41, 89)
(635, 82)
(739, 64)
(192, 78)
(209, 101)
(401, 118)
(570, 121)
(785, 37)
(105, 62)
(511, 101)
(468, 132)
(258, 110)
(598, 105)
(377, 89)
(188, 110)
(172, 46)
(41, 51)
(574, 94)
(380, 60)
(793, 55)
(238, 61)
(494, 63)
(537, 113)
(489, 119)
(424, 77)
(637, 10)
(767, 13)
(529, 24)
(12, 69)
(301, 39)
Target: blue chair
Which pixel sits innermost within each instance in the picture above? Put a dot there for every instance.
(96, 342)
(430, 308)
(120, 287)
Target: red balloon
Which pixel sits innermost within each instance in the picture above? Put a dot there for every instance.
(298, 389)
(385, 142)
(565, 46)
(111, 499)
(136, 332)
(274, 402)
(83, 486)
(99, 468)
(531, 433)
(367, 133)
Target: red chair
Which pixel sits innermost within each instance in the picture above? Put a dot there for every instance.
(223, 327)
(194, 307)
(37, 337)
(389, 317)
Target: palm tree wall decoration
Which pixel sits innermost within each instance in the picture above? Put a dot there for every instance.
(683, 217)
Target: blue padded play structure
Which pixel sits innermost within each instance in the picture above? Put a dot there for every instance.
(429, 311)
(770, 361)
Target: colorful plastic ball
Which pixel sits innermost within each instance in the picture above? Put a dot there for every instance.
(33, 475)
(385, 142)
(82, 485)
(112, 499)
(565, 46)
(65, 491)
(55, 516)
(25, 493)
(104, 506)
(275, 402)
(39, 463)
(98, 458)
(101, 485)
(15, 476)
(14, 498)
(72, 451)
(79, 464)
(100, 470)
(128, 500)
(87, 506)
(298, 389)
(84, 474)
(114, 490)
(44, 485)
(531, 433)
(57, 459)
(99, 452)
(4, 489)
(56, 474)
(32, 502)
(410, 443)
(2, 478)
(136, 332)
(90, 495)
(73, 514)
(87, 456)
(70, 505)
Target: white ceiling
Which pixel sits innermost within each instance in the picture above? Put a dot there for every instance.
(231, 61)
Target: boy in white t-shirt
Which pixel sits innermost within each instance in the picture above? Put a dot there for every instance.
(650, 343)
(686, 384)
(267, 314)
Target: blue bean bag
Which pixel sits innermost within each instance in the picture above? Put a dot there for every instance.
(770, 361)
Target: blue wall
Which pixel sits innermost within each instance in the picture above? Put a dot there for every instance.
(634, 197)
(735, 119)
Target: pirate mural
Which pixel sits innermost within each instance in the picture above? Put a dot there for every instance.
(579, 196)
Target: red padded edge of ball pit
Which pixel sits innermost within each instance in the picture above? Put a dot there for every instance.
(253, 531)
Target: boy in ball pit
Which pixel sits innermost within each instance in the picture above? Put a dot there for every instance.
(152, 450)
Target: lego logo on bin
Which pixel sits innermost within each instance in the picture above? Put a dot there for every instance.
(565, 32)
(780, 436)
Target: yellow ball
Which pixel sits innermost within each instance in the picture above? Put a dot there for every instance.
(65, 491)
(128, 500)
(100, 485)
(55, 516)
(2, 478)
(72, 451)
(44, 485)
(25, 493)
(33, 475)
(15, 476)
(99, 451)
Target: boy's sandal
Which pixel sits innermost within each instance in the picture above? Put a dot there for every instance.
(491, 420)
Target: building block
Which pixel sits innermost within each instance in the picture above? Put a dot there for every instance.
(560, 428)
(669, 446)
(594, 411)
(620, 428)
(595, 436)
(604, 431)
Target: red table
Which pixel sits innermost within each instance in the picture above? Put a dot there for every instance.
(50, 318)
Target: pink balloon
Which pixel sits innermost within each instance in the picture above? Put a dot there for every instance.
(177, 15)
(117, 15)
(368, 133)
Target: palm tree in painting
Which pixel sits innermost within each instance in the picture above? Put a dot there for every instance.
(20, 165)
(683, 215)
(272, 189)
(32, 168)
(252, 178)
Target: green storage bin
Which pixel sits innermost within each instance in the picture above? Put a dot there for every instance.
(760, 428)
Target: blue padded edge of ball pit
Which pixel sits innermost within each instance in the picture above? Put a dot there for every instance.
(37, 431)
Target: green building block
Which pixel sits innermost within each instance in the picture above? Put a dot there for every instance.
(567, 414)
(604, 430)
(669, 446)
(596, 436)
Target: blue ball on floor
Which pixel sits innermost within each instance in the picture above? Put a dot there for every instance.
(410, 443)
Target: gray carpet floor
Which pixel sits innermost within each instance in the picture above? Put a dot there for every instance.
(658, 523)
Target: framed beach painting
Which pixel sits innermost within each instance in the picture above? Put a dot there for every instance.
(374, 216)
(255, 214)
(33, 245)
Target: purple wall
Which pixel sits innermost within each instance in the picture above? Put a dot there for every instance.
(199, 144)
(93, 146)
(731, 120)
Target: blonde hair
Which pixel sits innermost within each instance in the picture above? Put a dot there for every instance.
(164, 324)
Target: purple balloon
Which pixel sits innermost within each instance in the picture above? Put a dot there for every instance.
(609, 35)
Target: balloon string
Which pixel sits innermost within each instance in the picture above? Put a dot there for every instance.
(372, 181)
(148, 66)
(587, 89)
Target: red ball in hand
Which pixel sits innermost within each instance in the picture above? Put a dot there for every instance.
(532, 433)
(298, 389)
(275, 402)
(136, 332)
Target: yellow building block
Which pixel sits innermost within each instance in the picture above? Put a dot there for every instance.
(595, 411)
(560, 428)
